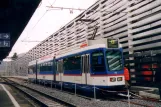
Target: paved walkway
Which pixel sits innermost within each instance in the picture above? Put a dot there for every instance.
(5, 101)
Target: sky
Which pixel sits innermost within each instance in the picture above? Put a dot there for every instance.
(45, 21)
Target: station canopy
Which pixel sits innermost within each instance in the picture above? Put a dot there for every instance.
(14, 16)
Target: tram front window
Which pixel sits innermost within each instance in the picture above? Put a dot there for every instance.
(114, 60)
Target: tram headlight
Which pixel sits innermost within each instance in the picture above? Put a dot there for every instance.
(112, 79)
(119, 79)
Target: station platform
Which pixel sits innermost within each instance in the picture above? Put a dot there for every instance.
(148, 92)
(5, 100)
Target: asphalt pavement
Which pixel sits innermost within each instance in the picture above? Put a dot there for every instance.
(5, 101)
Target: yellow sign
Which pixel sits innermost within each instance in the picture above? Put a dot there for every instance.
(112, 41)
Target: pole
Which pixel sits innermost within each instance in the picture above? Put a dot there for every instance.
(128, 97)
(75, 89)
(51, 84)
(94, 92)
(61, 86)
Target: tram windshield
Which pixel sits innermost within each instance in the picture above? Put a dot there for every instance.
(114, 60)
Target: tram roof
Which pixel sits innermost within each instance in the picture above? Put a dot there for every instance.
(82, 50)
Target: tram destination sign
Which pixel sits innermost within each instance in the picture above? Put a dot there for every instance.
(112, 43)
(4, 40)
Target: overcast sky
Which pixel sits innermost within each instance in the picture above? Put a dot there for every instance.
(38, 30)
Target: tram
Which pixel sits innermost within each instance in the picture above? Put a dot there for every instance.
(98, 63)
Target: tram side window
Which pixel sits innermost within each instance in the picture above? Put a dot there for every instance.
(38, 68)
(72, 63)
(60, 66)
(43, 68)
(56, 67)
(30, 70)
(49, 66)
(98, 63)
(34, 69)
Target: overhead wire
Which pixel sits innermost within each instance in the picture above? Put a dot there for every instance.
(52, 3)
(61, 8)
(43, 14)
(40, 17)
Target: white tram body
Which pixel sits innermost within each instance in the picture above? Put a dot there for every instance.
(95, 64)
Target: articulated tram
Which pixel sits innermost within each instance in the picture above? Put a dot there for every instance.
(100, 64)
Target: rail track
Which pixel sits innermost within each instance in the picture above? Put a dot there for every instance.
(134, 101)
(39, 97)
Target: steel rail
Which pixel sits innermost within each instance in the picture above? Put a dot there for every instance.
(28, 94)
(131, 102)
(115, 99)
(43, 94)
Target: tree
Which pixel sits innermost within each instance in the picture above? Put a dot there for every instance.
(14, 57)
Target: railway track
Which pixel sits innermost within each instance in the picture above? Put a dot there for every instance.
(39, 97)
(144, 102)
(135, 102)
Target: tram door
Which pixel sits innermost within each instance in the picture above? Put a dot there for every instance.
(85, 68)
(60, 69)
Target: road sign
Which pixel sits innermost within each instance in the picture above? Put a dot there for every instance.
(4, 36)
(4, 43)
